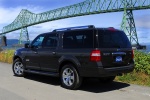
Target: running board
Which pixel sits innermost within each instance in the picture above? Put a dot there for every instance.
(42, 73)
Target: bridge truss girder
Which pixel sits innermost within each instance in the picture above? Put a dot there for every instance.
(87, 7)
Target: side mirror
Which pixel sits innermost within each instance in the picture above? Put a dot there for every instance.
(26, 45)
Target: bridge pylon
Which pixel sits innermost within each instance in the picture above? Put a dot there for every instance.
(24, 36)
(128, 24)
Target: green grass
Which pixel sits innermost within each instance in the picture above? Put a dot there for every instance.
(140, 75)
(142, 62)
(138, 78)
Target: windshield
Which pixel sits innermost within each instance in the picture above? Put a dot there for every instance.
(113, 39)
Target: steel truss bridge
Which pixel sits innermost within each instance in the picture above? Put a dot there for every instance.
(87, 7)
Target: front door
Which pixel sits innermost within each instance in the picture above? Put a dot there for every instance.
(48, 54)
(32, 58)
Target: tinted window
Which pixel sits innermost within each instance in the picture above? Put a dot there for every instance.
(38, 41)
(51, 41)
(113, 39)
(78, 39)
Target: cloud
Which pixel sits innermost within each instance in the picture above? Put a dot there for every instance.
(49, 26)
(143, 35)
(13, 35)
(7, 16)
(143, 27)
(143, 21)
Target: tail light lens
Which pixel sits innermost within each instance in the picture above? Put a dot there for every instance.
(112, 29)
(132, 53)
(95, 55)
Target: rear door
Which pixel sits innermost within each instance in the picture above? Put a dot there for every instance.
(79, 44)
(115, 48)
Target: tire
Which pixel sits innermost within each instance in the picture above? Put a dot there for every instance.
(18, 68)
(70, 79)
(108, 79)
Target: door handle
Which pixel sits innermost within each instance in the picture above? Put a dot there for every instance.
(35, 52)
(53, 53)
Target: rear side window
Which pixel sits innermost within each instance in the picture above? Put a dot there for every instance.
(113, 39)
(78, 39)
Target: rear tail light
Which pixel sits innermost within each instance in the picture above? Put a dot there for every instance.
(112, 29)
(132, 53)
(95, 55)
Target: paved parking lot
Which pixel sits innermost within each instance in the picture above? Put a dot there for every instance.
(36, 87)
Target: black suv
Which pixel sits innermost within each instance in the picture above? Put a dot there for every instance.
(76, 52)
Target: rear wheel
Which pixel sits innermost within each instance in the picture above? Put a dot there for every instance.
(108, 79)
(18, 68)
(70, 78)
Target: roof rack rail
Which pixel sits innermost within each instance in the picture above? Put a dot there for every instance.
(73, 28)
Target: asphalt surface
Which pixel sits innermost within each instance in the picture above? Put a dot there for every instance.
(36, 87)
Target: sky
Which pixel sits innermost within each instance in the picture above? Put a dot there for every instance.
(9, 10)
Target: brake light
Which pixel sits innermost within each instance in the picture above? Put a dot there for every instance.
(95, 55)
(132, 53)
(112, 29)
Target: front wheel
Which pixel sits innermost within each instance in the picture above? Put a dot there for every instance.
(70, 78)
(18, 68)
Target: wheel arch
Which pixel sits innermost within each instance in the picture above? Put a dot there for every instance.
(17, 57)
(75, 64)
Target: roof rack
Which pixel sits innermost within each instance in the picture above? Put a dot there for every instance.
(74, 28)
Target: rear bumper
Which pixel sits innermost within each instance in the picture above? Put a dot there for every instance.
(103, 72)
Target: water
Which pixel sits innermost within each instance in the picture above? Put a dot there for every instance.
(147, 48)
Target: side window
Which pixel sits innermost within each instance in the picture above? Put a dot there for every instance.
(68, 41)
(38, 41)
(78, 39)
(51, 41)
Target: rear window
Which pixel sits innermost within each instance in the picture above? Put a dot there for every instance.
(113, 39)
(78, 39)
